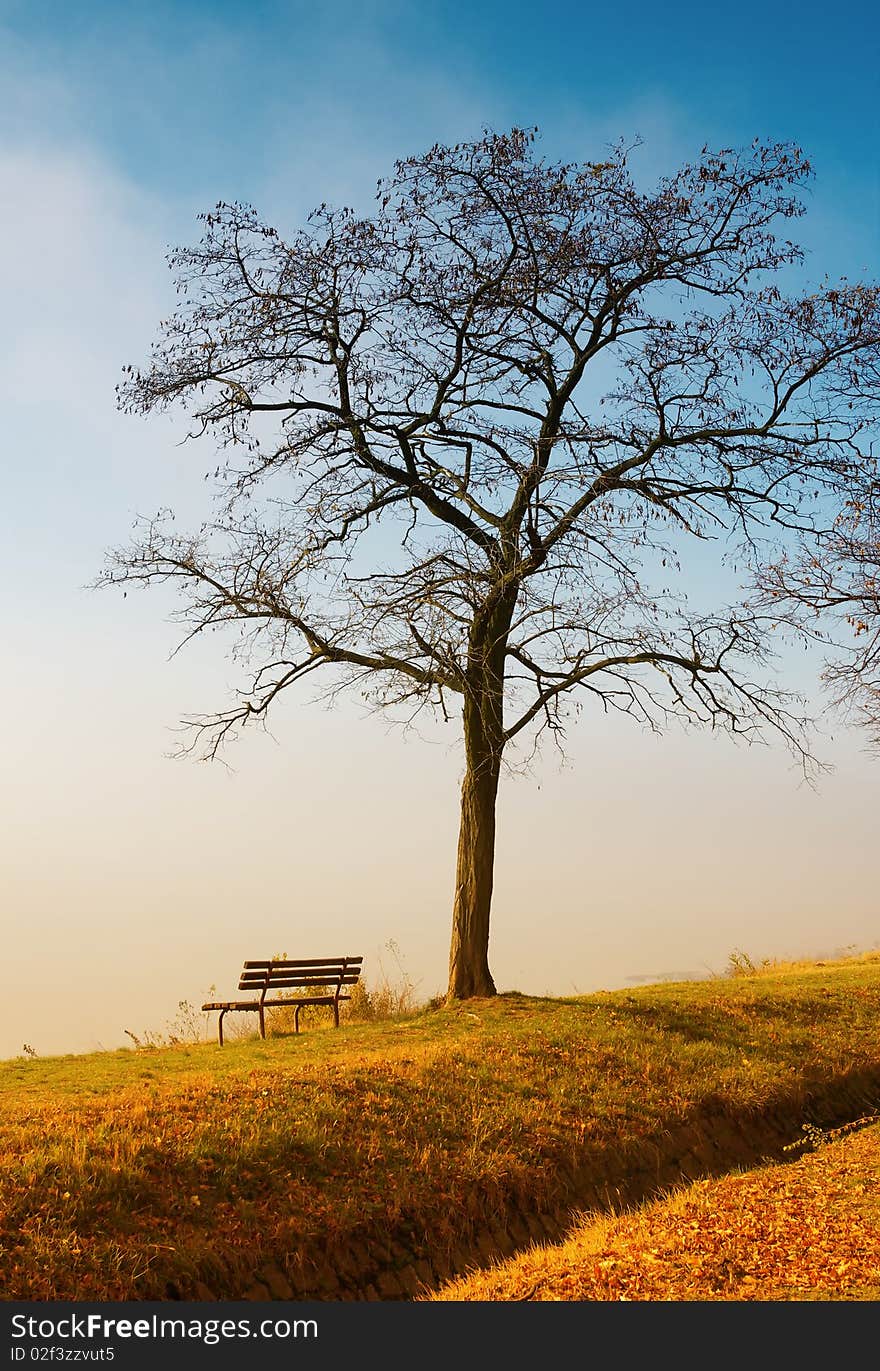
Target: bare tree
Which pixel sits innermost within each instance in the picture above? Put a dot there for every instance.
(468, 440)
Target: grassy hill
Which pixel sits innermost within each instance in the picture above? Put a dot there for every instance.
(383, 1158)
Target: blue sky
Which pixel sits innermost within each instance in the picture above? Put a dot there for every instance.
(200, 99)
(118, 125)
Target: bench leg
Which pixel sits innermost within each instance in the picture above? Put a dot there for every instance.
(336, 1013)
(220, 1026)
(296, 1018)
(262, 1022)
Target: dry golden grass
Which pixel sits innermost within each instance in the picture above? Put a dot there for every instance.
(806, 1230)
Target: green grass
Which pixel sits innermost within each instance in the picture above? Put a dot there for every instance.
(124, 1174)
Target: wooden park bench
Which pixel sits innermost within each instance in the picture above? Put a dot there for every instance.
(324, 977)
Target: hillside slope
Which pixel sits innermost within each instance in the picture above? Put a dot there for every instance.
(382, 1159)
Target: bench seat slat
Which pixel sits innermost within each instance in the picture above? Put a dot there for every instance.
(327, 973)
(232, 1004)
(289, 978)
(297, 983)
(274, 1004)
(305, 963)
(294, 969)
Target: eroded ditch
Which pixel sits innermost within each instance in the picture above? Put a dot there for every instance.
(711, 1141)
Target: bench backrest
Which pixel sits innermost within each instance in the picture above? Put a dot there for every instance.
(308, 974)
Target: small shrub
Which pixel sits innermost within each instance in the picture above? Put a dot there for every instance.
(189, 1025)
(281, 1021)
(739, 963)
(388, 999)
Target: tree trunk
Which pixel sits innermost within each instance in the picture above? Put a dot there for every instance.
(483, 719)
(469, 972)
